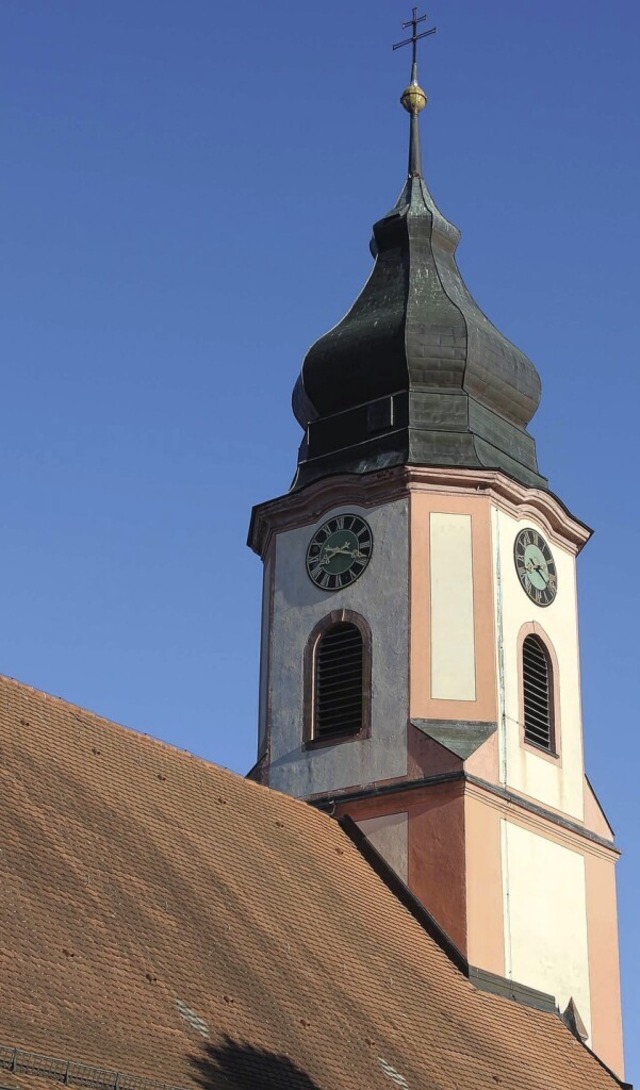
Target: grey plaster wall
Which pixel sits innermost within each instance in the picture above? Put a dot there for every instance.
(390, 836)
(381, 596)
(264, 657)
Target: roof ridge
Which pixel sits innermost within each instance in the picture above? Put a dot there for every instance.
(143, 737)
(51, 697)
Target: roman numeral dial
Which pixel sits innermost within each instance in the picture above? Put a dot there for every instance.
(535, 566)
(339, 551)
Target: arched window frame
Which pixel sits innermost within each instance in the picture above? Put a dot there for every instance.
(554, 753)
(338, 616)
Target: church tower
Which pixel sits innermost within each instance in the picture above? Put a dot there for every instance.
(420, 661)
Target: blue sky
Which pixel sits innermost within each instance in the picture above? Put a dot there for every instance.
(188, 194)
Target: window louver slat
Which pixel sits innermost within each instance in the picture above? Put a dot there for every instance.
(336, 649)
(335, 653)
(337, 689)
(339, 679)
(538, 693)
(339, 676)
(338, 665)
(337, 669)
(538, 684)
(340, 639)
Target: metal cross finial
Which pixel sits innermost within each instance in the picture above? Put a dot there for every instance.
(413, 98)
(415, 37)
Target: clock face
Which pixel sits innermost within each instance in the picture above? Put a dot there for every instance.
(339, 551)
(535, 566)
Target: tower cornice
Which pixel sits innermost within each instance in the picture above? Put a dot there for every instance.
(307, 505)
(511, 804)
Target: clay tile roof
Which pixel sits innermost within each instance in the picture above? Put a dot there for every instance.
(165, 919)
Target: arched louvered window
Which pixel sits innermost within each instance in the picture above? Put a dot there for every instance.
(537, 684)
(339, 681)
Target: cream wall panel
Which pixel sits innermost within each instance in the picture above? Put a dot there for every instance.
(381, 596)
(453, 667)
(546, 943)
(557, 784)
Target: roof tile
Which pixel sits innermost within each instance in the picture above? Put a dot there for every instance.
(162, 917)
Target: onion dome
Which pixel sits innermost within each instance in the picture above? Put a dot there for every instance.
(415, 373)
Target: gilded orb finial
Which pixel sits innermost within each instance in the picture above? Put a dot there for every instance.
(413, 98)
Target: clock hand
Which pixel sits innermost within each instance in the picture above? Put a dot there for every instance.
(331, 551)
(539, 568)
(340, 550)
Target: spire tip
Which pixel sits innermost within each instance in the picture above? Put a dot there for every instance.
(413, 98)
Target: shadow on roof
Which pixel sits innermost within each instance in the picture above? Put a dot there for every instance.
(236, 1065)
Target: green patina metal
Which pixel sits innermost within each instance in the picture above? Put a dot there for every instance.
(416, 374)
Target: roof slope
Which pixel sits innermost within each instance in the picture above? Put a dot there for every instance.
(166, 918)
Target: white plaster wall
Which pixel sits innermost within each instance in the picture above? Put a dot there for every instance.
(390, 836)
(381, 596)
(557, 784)
(546, 944)
(453, 658)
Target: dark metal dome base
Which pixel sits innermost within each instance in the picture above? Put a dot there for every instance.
(415, 372)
